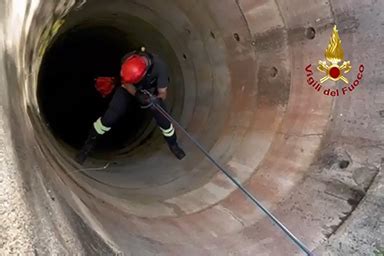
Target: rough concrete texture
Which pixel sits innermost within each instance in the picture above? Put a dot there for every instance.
(315, 161)
(16, 227)
(361, 234)
(32, 223)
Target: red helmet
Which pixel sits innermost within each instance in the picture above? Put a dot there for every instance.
(134, 69)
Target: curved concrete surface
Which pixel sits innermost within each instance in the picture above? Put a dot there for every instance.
(239, 87)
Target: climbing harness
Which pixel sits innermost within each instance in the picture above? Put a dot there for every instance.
(274, 220)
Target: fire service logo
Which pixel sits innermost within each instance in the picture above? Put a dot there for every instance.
(334, 68)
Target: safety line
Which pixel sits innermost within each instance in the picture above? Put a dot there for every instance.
(83, 170)
(229, 176)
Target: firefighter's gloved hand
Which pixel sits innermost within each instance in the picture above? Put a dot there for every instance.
(144, 99)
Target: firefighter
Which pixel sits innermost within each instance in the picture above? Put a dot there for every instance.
(140, 71)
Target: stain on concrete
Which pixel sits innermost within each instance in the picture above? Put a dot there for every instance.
(273, 39)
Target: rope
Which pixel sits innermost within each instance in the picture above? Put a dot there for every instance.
(294, 239)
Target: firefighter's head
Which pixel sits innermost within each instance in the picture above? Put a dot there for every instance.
(134, 69)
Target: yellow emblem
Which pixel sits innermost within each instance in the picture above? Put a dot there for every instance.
(334, 55)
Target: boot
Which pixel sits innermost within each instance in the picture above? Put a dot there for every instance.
(87, 148)
(177, 151)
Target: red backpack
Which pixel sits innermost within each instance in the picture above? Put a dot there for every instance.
(105, 85)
